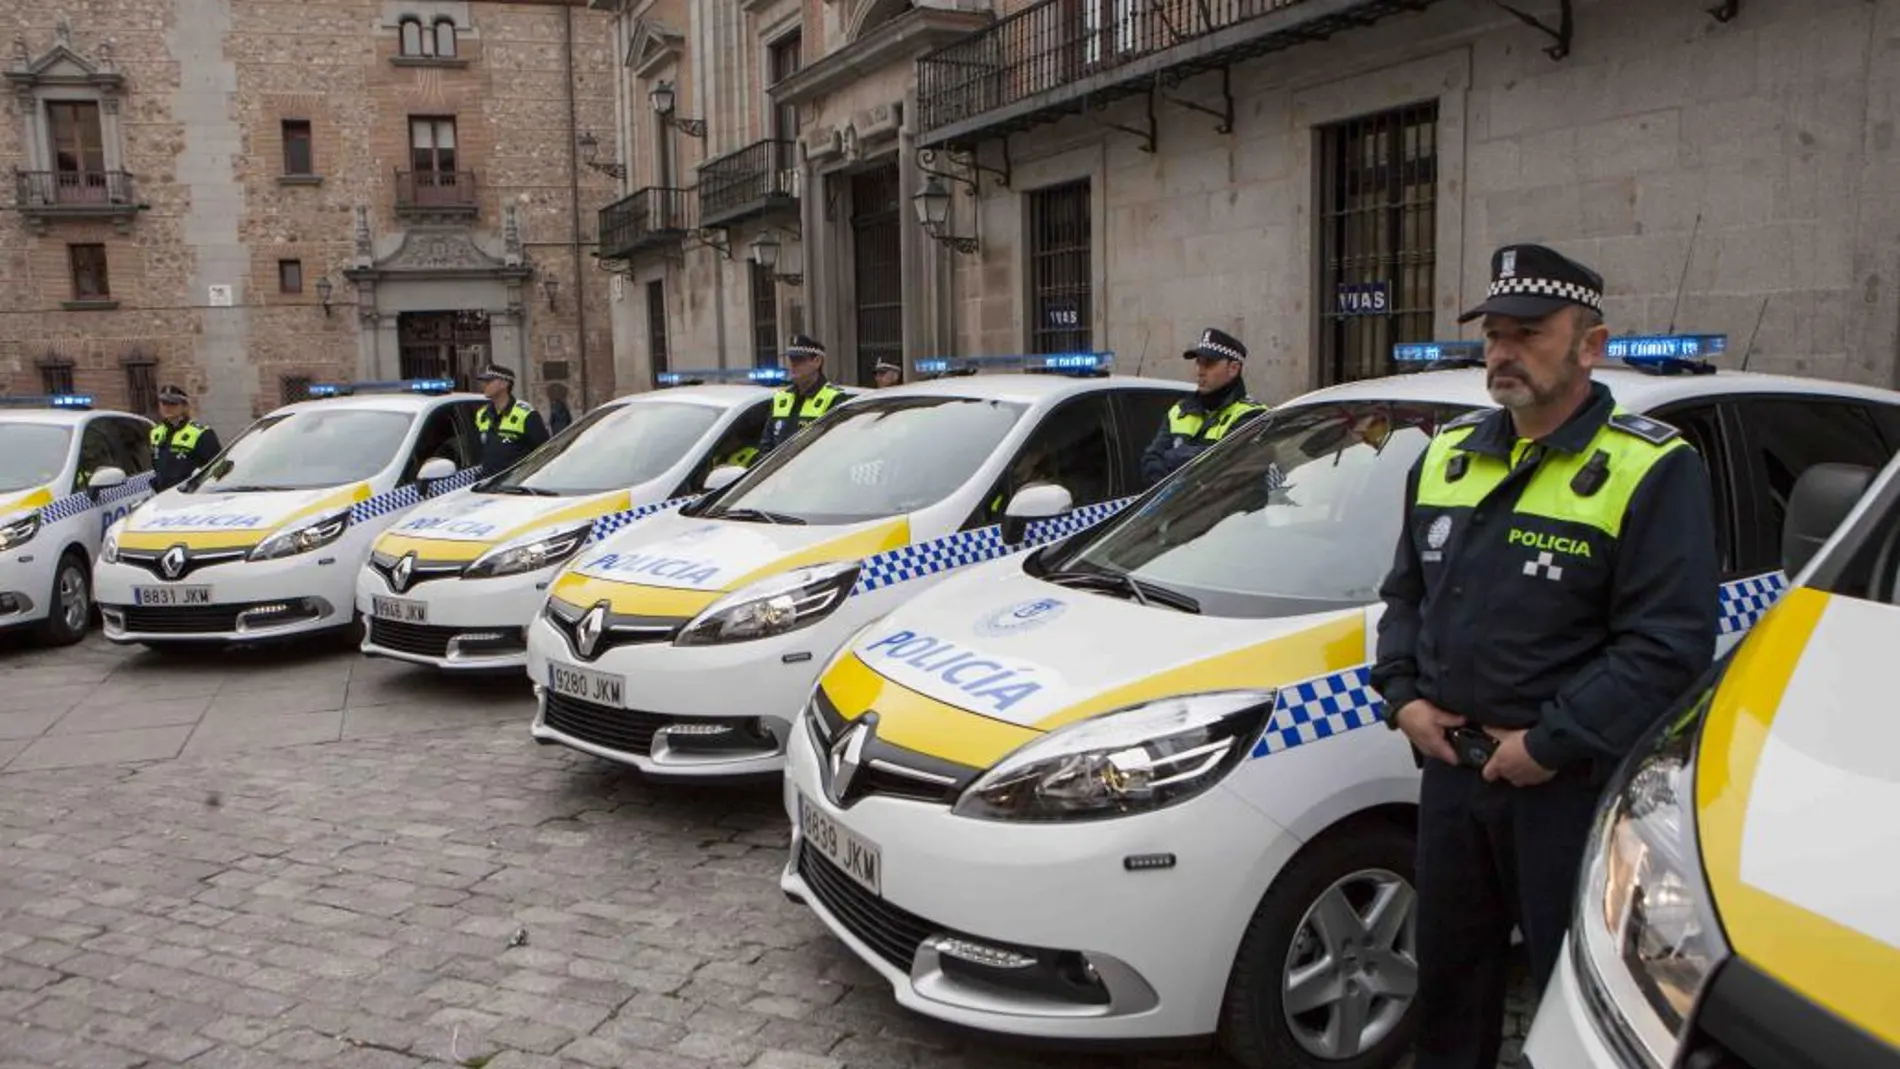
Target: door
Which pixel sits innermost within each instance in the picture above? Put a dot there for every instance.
(1140, 415)
(95, 452)
(442, 345)
(131, 445)
(1781, 437)
(447, 433)
(878, 267)
(79, 154)
(1070, 448)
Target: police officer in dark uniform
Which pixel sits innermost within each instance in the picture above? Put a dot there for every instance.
(1553, 591)
(180, 445)
(1220, 404)
(802, 401)
(509, 429)
(886, 373)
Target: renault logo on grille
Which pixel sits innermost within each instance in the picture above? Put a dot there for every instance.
(173, 562)
(587, 633)
(404, 571)
(847, 755)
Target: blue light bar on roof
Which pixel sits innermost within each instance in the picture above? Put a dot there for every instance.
(1437, 352)
(54, 400)
(723, 374)
(1071, 362)
(1045, 362)
(345, 389)
(1666, 351)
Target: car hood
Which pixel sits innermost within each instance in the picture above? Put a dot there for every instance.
(672, 565)
(462, 525)
(1797, 759)
(227, 520)
(13, 503)
(982, 663)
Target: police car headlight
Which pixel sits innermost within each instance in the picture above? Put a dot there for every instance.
(1646, 937)
(530, 553)
(1136, 760)
(19, 532)
(109, 545)
(303, 539)
(772, 606)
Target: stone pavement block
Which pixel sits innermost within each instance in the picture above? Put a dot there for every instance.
(714, 1047)
(28, 724)
(787, 1059)
(126, 714)
(235, 703)
(115, 747)
(222, 732)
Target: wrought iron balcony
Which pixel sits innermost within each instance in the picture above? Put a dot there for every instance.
(1057, 56)
(436, 193)
(44, 196)
(758, 178)
(644, 219)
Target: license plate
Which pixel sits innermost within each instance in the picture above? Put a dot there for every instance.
(586, 684)
(401, 610)
(856, 856)
(171, 595)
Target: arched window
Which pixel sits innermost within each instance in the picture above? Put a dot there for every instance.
(444, 38)
(411, 37)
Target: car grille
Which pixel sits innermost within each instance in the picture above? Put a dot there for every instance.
(418, 639)
(895, 934)
(183, 620)
(620, 730)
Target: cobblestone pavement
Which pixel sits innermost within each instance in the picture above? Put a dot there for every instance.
(338, 862)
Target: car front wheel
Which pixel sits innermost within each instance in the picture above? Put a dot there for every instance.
(69, 603)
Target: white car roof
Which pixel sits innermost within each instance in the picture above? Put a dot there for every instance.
(60, 417)
(1021, 387)
(375, 402)
(715, 395)
(1634, 390)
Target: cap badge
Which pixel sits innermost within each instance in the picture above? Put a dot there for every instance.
(1507, 264)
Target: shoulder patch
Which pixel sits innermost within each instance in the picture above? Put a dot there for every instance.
(1653, 431)
(1469, 419)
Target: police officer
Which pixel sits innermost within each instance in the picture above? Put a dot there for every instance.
(802, 401)
(1219, 404)
(1553, 591)
(180, 445)
(560, 417)
(887, 373)
(510, 429)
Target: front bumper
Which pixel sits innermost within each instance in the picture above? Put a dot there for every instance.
(673, 695)
(472, 624)
(1564, 1034)
(250, 601)
(26, 585)
(1121, 954)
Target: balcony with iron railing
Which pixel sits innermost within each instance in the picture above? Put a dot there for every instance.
(759, 178)
(644, 219)
(1053, 57)
(43, 196)
(436, 193)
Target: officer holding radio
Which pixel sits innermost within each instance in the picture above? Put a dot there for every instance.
(1554, 589)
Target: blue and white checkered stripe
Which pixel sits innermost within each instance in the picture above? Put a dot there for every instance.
(964, 548)
(1746, 601)
(73, 504)
(614, 521)
(403, 497)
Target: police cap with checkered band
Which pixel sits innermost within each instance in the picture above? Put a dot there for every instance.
(1217, 345)
(1533, 281)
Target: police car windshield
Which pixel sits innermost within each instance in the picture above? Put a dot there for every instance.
(1300, 513)
(626, 444)
(874, 458)
(31, 454)
(306, 450)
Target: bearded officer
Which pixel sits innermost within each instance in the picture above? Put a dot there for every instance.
(1220, 403)
(180, 445)
(805, 399)
(1554, 590)
(510, 429)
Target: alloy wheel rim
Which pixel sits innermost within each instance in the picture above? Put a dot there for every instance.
(1351, 971)
(73, 603)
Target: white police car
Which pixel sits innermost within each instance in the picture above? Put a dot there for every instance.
(686, 645)
(456, 582)
(66, 474)
(1122, 788)
(266, 540)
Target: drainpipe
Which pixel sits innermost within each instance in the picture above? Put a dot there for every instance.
(574, 199)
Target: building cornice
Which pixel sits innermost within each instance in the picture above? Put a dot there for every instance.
(903, 38)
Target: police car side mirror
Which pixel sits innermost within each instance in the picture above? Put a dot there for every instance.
(721, 477)
(106, 478)
(1822, 498)
(436, 468)
(1037, 501)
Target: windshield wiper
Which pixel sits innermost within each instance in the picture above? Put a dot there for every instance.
(1144, 593)
(525, 491)
(759, 514)
(256, 489)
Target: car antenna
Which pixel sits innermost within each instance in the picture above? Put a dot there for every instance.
(1142, 361)
(1688, 259)
(1750, 349)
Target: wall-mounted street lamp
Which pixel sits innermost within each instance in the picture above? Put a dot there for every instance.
(324, 288)
(590, 152)
(933, 211)
(550, 286)
(765, 252)
(662, 98)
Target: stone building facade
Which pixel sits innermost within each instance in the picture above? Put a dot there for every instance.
(1323, 178)
(244, 197)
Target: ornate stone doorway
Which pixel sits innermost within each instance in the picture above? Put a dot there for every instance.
(443, 345)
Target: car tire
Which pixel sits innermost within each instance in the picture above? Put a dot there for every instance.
(69, 602)
(1356, 960)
